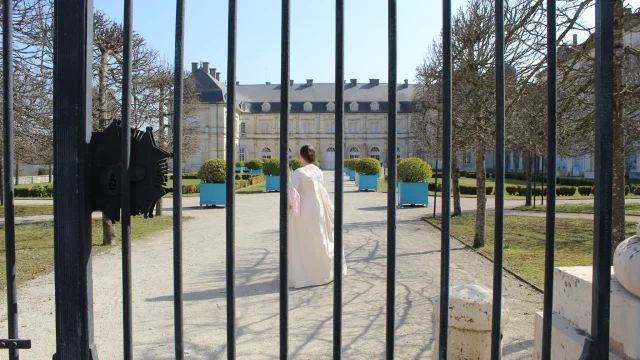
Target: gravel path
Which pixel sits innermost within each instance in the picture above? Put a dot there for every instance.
(418, 267)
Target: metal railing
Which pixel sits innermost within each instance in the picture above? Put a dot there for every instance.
(72, 132)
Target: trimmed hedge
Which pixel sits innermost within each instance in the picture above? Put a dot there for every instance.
(213, 171)
(368, 166)
(271, 167)
(240, 163)
(585, 190)
(471, 190)
(414, 170)
(351, 164)
(636, 191)
(255, 164)
(256, 179)
(295, 164)
(627, 190)
(37, 191)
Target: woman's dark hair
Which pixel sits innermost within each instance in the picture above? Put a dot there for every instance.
(308, 153)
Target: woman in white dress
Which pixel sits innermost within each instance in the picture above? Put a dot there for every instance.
(311, 244)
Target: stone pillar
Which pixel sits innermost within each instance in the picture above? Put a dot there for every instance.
(469, 323)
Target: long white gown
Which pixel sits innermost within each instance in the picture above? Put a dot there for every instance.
(311, 231)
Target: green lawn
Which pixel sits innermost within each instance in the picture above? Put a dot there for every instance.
(34, 253)
(524, 242)
(632, 209)
(30, 210)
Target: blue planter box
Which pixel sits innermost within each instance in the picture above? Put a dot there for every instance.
(351, 173)
(410, 193)
(213, 194)
(367, 182)
(241, 168)
(273, 183)
(255, 172)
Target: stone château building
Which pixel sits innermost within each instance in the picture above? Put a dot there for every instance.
(312, 119)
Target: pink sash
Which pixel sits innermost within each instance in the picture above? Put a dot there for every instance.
(294, 200)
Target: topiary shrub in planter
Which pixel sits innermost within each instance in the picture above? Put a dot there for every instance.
(271, 171)
(413, 184)
(255, 166)
(213, 176)
(295, 164)
(240, 166)
(368, 170)
(350, 168)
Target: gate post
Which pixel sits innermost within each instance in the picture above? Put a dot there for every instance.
(72, 126)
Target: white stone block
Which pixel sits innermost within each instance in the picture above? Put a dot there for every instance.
(469, 323)
(626, 262)
(567, 341)
(572, 301)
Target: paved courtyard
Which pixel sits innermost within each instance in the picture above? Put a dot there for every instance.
(257, 289)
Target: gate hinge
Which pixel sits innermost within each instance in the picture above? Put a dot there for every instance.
(148, 172)
(15, 344)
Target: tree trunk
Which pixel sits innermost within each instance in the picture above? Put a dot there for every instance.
(481, 198)
(50, 173)
(457, 207)
(159, 207)
(618, 206)
(1, 184)
(161, 138)
(17, 175)
(529, 165)
(108, 232)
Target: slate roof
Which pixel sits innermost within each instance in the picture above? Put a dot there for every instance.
(319, 94)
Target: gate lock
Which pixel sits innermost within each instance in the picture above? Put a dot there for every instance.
(148, 172)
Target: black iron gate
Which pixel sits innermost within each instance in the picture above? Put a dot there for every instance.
(73, 167)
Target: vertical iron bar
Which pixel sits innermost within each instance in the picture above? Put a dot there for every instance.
(551, 180)
(231, 180)
(445, 242)
(72, 125)
(284, 190)
(496, 316)
(391, 193)
(8, 153)
(125, 186)
(178, 82)
(435, 190)
(339, 183)
(598, 344)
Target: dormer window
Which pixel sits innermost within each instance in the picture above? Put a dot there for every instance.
(353, 106)
(246, 106)
(266, 107)
(307, 106)
(398, 106)
(289, 106)
(331, 106)
(375, 106)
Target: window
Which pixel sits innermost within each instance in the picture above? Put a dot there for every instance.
(508, 162)
(241, 154)
(375, 153)
(516, 161)
(466, 159)
(264, 128)
(354, 153)
(375, 106)
(354, 127)
(353, 106)
(331, 128)
(398, 127)
(307, 127)
(331, 106)
(266, 107)
(266, 153)
(243, 128)
(374, 127)
(307, 106)
(398, 153)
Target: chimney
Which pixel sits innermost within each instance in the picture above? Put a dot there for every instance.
(205, 66)
(218, 76)
(194, 67)
(213, 72)
(406, 83)
(374, 82)
(309, 82)
(354, 82)
(290, 82)
(575, 39)
(237, 82)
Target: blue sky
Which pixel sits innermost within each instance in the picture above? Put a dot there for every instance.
(312, 35)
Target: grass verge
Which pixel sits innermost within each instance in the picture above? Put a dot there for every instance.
(631, 209)
(34, 245)
(30, 210)
(524, 242)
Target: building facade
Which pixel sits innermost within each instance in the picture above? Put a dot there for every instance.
(311, 120)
